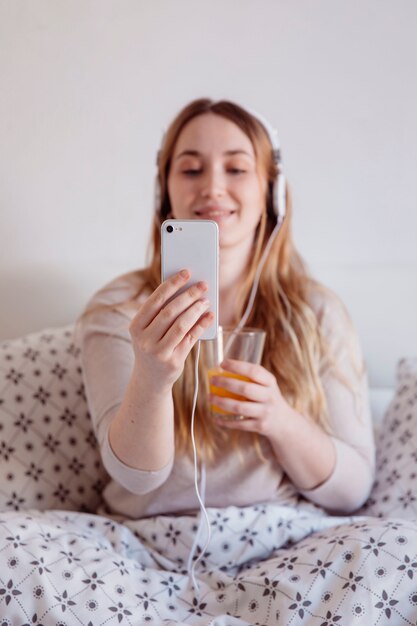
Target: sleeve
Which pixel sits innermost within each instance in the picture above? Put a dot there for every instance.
(345, 383)
(107, 361)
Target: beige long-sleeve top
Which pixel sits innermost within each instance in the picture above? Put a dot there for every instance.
(234, 478)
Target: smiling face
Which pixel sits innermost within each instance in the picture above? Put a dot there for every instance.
(214, 175)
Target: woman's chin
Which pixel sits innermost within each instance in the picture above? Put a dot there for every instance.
(227, 239)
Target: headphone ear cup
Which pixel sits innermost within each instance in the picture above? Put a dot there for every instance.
(276, 203)
(280, 196)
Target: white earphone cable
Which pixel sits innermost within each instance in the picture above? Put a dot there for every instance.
(200, 499)
(281, 208)
(258, 275)
(192, 566)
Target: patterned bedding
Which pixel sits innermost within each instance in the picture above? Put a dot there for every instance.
(266, 564)
(285, 564)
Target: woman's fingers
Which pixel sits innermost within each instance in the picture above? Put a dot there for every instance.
(248, 424)
(257, 373)
(186, 325)
(174, 309)
(159, 298)
(194, 334)
(259, 402)
(237, 407)
(246, 388)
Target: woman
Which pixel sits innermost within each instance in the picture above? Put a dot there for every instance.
(308, 426)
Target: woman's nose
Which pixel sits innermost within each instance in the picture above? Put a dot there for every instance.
(213, 184)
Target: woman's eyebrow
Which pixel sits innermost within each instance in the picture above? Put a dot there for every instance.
(226, 153)
(232, 152)
(187, 153)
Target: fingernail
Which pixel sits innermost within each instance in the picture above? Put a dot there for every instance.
(184, 273)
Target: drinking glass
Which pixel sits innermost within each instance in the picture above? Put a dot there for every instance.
(245, 344)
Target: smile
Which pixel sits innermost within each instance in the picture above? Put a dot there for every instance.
(209, 214)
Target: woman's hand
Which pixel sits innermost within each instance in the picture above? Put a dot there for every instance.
(264, 406)
(305, 452)
(164, 330)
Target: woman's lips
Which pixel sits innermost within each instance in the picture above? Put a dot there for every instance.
(212, 214)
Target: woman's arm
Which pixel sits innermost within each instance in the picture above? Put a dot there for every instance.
(335, 471)
(108, 366)
(331, 472)
(129, 369)
(146, 415)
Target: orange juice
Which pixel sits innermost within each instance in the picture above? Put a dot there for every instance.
(220, 391)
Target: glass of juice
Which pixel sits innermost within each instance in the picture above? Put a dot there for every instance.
(245, 344)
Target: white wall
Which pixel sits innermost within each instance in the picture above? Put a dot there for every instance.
(86, 87)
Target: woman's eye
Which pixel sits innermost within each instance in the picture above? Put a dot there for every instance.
(236, 170)
(191, 172)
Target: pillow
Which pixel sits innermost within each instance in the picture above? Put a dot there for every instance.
(48, 451)
(394, 493)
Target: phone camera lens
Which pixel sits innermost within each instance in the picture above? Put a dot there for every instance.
(169, 229)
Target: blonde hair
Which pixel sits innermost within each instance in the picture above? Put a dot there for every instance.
(296, 350)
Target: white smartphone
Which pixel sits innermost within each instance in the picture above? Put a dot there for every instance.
(193, 245)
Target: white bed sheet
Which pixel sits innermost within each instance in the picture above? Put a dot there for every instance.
(267, 564)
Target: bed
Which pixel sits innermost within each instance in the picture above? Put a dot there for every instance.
(64, 564)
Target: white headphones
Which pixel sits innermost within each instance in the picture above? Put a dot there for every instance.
(278, 188)
(278, 191)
